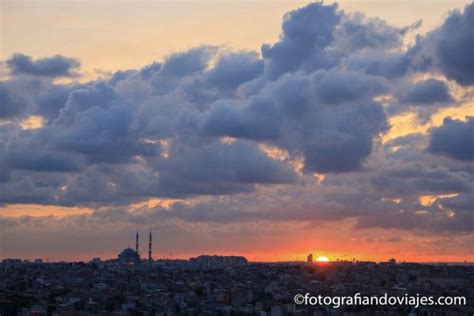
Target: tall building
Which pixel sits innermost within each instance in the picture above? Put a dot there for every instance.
(309, 260)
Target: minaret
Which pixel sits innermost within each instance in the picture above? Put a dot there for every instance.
(149, 248)
(136, 242)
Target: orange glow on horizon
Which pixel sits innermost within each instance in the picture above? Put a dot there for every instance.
(250, 257)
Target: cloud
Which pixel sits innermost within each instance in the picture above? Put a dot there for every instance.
(358, 32)
(417, 178)
(219, 168)
(184, 64)
(451, 46)
(41, 161)
(101, 135)
(391, 65)
(233, 69)
(307, 32)
(57, 66)
(453, 139)
(291, 135)
(11, 105)
(427, 92)
(424, 98)
(327, 117)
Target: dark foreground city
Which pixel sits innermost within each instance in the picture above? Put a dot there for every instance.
(211, 285)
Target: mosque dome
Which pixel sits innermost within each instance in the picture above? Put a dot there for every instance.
(129, 255)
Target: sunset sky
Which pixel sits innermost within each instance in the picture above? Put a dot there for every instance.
(269, 129)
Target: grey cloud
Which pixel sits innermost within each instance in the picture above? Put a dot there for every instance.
(356, 32)
(463, 202)
(426, 221)
(167, 116)
(17, 97)
(417, 178)
(233, 69)
(56, 66)
(42, 161)
(219, 169)
(307, 32)
(427, 92)
(24, 96)
(454, 139)
(85, 97)
(204, 74)
(331, 124)
(157, 131)
(423, 98)
(51, 101)
(28, 189)
(391, 65)
(148, 71)
(452, 45)
(187, 63)
(336, 87)
(102, 135)
(11, 105)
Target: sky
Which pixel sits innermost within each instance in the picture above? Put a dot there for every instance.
(265, 129)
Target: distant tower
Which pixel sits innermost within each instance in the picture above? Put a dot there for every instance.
(309, 260)
(136, 242)
(149, 248)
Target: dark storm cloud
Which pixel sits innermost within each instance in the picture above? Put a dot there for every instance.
(306, 33)
(427, 92)
(327, 117)
(417, 178)
(17, 97)
(389, 65)
(41, 161)
(338, 87)
(234, 69)
(463, 202)
(454, 139)
(57, 66)
(22, 96)
(82, 98)
(208, 170)
(11, 105)
(424, 98)
(219, 169)
(357, 32)
(452, 46)
(102, 135)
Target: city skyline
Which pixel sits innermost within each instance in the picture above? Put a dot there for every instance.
(268, 130)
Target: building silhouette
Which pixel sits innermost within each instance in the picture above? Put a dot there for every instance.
(131, 256)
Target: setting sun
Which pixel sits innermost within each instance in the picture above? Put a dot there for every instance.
(322, 259)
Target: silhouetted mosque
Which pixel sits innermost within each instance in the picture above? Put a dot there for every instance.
(130, 255)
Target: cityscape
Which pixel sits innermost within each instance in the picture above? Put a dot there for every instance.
(222, 285)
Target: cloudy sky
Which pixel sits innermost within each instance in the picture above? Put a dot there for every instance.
(265, 129)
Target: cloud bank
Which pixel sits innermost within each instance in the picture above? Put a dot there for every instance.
(238, 133)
